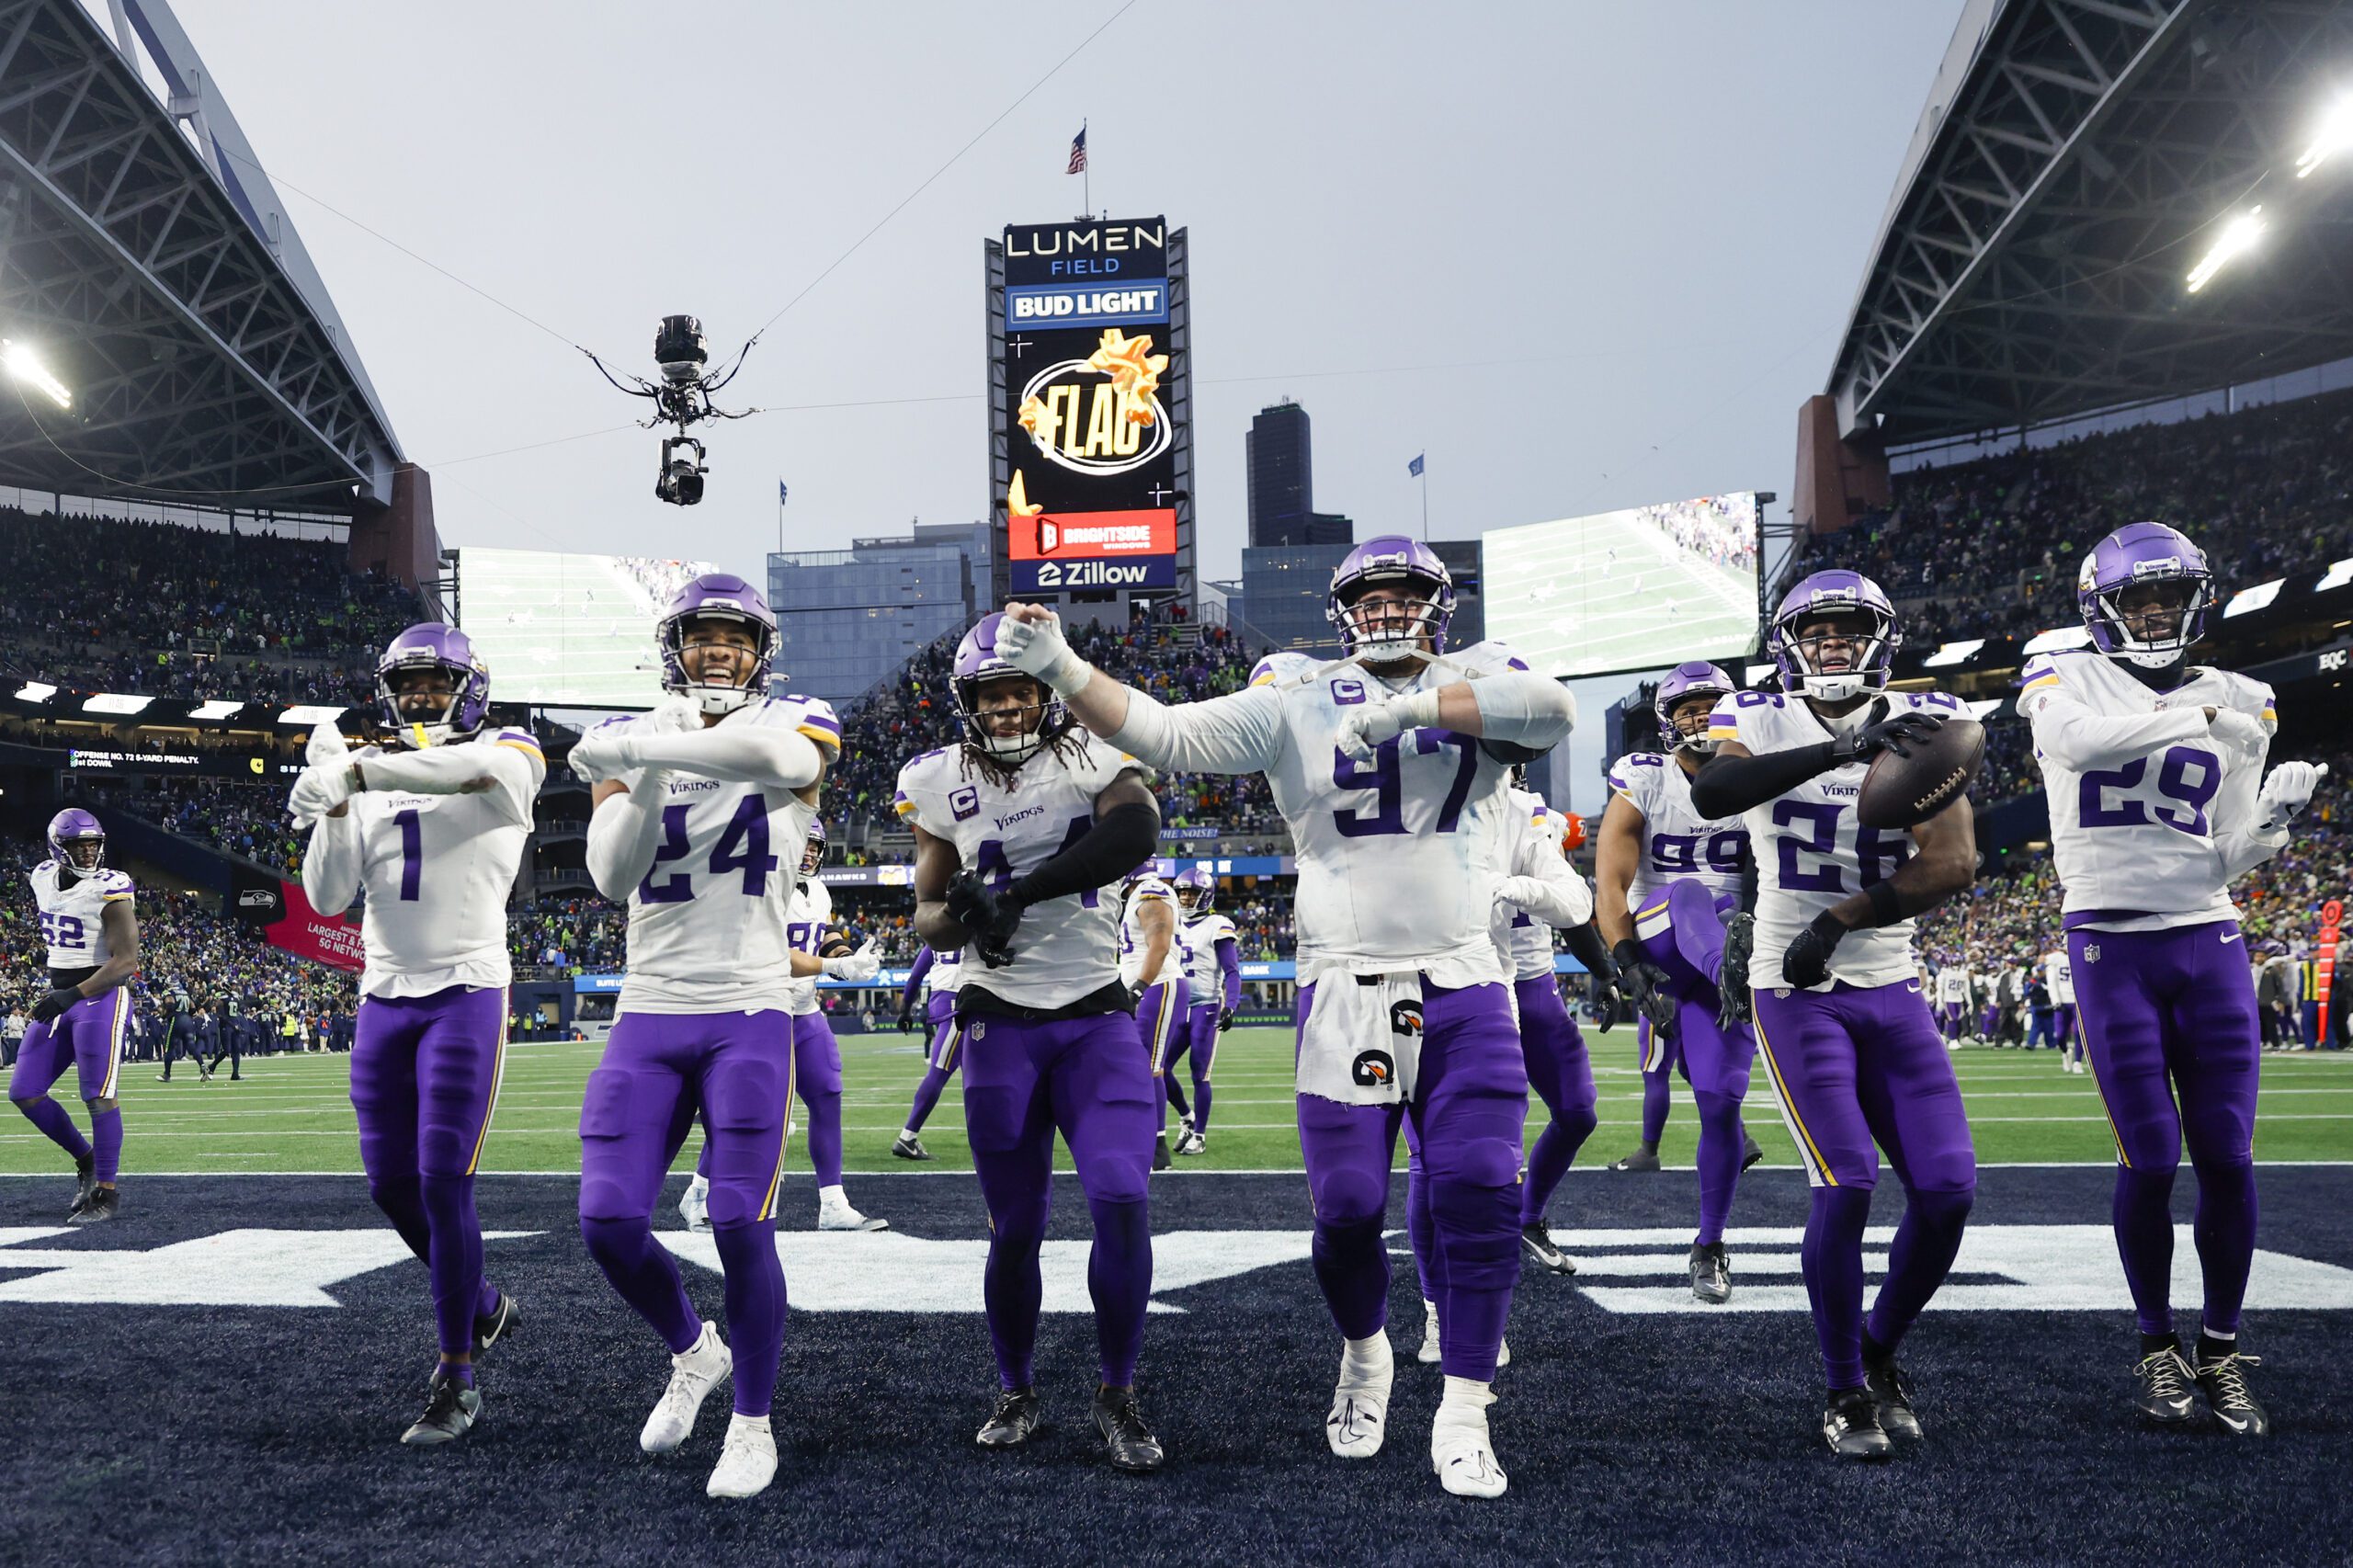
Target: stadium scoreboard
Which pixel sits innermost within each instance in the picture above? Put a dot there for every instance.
(1090, 410)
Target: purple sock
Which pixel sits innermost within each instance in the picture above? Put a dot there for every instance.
(2224, 1230)
(640, 1269)
(1918, 1261)
(1420, 1229)
(926, 1098)
(824, 1135)
(1549, 1160)
(2142, 1210)
(1721, 1150)
(1478, 1262)
(754, 1310)
(485, 1300)
(1201, 1104)
(51, 1118)
(1160, 1100)
(1119, 1277)
(1654, 1103)
(106, 1132)
(1173, 1093)
(1833, 1260)
(454, 1258)
(1352, 1266)
(459, 1372)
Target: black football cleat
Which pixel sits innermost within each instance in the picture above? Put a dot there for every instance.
(450, 1412)
(1016, 1416)
(2224, 1382)
(1640, 1160)
(105, 1203)
(1735, 1003)
(493, 1326)
(85, 1180)
(1536, 1242)
(1889, 1387)
(1750, 1151)
(907, 1146)
(1710, 1274)
(1160, 1160)
(2165, 1388)
(1850, 1426)
(1132, 1445)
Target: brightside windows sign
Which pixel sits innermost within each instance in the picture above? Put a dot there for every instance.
(1094, 549)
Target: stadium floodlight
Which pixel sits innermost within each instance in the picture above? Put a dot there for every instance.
(2248, 601)
(2058, 640)
(26, 365)
(1981, 710)
(1953, 653)
(35, 691)
(2238, 236)
(214, 708)
(2334, 135)
(2337, 576)
(312, 713)
(116, 703)
(1755, 674)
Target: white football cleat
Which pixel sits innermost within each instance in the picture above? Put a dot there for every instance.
(747, 1463)
(835, 1213)
(703, 1368)
(1359, 1415)
(1464, 1456)
(694, 1206)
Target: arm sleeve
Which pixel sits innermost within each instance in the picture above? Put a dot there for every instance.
(1728, 786)
(1239, 733)
(1523, 713)
(1586, 946)
(1229, 963)
(733, 754)
(1121, 839)
(331, 864)
(623, 833)
(517, 769)
(914, 979)
(2071, 733)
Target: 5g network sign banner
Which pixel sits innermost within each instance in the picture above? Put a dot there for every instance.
(1092, 456)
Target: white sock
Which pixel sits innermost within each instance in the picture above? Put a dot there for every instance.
(833, 1197)
(747, 1424)
(1366, 1357)
(1429, 1308)
(1465, 1402)
(908, 1133)
(699, 1186)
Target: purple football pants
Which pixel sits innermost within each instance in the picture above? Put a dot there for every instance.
(424, 1074)
(1469, 1113)
(1195, 1045)
(658, 1069)
(817, 1079)
(947, 1051)
(1089, 1079)
(1160, 1023)
(1713, 1060)
(89, 1035)
(2166, 1013)
(1854, 1066)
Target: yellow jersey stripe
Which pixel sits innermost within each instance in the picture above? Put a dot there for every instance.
(1789, 1105)
(523, 745)
(497, 1079)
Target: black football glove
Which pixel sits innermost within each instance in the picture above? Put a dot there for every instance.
(986, 915)
(1807, 962)
(1896, 734)
(1225, 1019)
(906, 1019)
(56, 1002)
(1735, 1005)
(1609, 1002)
(1645, 985)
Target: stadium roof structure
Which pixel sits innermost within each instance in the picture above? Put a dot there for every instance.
(2075, 158)
(146, 257)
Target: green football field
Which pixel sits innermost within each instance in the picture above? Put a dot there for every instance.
(292, 1113)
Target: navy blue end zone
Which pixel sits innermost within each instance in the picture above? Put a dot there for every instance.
(253, 1433)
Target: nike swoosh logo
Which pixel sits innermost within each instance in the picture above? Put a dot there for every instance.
(2230, 936)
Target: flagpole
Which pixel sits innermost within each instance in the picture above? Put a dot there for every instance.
(1425, 500)
(1086, 171)
(780, 518)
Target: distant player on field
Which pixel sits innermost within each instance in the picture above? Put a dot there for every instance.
(1154, 962)
(432, 827)
(1213, 980)
(941, 973)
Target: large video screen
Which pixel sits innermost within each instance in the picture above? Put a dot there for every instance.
(1626, 590)
(568, 631)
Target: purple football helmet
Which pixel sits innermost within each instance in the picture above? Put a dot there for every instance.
(2135, 553)
(1195, 889)
(977, 664)
(1684, 682)
(1831, 593)
(71, 827)
(434, 645)
(717, 595)
(1392, 558)
(812, 850)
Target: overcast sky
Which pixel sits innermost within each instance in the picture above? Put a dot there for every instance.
(1657, 214)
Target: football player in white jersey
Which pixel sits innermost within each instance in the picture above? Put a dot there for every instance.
(1840, 1021)
(90, 925)
(2152, 765)
(693, 803)
(1667, 897)
(2059, 975)
(1953, 989)
(816, 1054)
(1213, 979)
(1390, 768)
(1153, 963)
(1024, 832)
(432, 829)
(941, 971)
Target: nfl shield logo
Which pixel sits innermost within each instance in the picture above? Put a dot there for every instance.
(2091, 953)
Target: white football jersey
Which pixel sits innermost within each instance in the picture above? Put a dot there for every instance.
(1811, 850)
(1528, 824)
(947, 972)
(809, 909)
(1202, 933)
(1952, 985)
(437, 869)
(1677, 840)
(1066, 948)
(2137, 844)
(708, 928)
(2059, 978)
(73, 913)
(1176, 964)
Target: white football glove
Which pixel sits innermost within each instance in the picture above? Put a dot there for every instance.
(1554, 902)
(2234, 728)
(676, 716)
(1039, 648)
(326, 745)
(2288, 790)
(1363, 728)
(858, 968)
(601, 754)
(321, 788)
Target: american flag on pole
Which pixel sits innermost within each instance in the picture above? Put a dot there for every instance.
(1414, 468)
(1077, 153)
(779, 492)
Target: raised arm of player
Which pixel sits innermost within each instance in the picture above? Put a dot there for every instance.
(1735, 779)
(1239, 733)
(624, 830)
(768, 756)
(331, 863)
(2080, 738)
